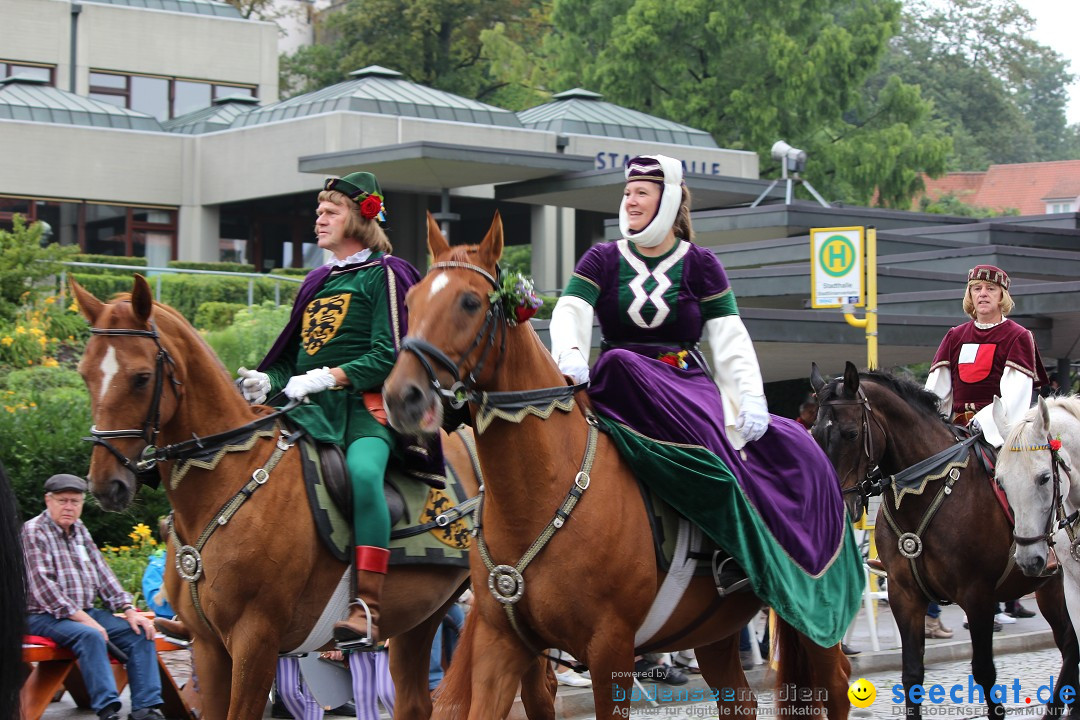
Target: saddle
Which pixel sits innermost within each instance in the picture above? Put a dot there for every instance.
(414, 504)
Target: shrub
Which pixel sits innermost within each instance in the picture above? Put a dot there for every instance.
(251, 335)
(186, 293)
(104, 287)
(293, 272)
(41, 333)
(24, 263)
(215, 266)
(128, 560)
(135, 262)
(216, 315)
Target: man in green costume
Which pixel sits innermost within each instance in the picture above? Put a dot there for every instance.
(336, 351)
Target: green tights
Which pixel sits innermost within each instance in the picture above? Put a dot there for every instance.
(366, 459)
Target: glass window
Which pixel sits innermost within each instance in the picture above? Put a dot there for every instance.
(221, 91)
(108, 80)
(105, 230)
(148, 215)
(150, 95)
(156, 247)
(15, 205)
(232, 250)
(190, 96)
(34, 71)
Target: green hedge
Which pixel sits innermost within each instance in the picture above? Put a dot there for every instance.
(134, 262)
(216, 315)
(293, 272)
(215, 266)
(103, 286)
(186, 293)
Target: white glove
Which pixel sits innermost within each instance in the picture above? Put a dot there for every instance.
(753, 418)
(313, 381)
(255, 385)
(571, 362)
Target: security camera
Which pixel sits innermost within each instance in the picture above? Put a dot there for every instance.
(793, 158)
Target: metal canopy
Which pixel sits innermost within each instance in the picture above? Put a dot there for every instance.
(30, 99)
(583, 112)
(198, 7)
(600, 191)
(430, 167)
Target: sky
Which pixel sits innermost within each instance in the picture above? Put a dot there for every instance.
(1056, 22)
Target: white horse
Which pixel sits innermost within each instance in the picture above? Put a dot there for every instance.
(1033, 468)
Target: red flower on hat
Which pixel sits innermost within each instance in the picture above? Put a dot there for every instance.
(371, 207)
(1055, 445)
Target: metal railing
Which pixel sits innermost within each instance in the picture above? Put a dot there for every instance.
(252, 277)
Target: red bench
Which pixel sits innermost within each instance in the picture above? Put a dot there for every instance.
(51, 670)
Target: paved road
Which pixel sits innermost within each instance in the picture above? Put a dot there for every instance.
(1022, 673)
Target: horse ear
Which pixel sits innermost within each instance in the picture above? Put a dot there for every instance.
(851, 378)
(89, 306)
(142, 300)
(1044, 414)
(491, 248)
(816, 381)
(436, 241)
(1001, 417)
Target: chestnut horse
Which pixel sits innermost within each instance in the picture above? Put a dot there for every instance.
(941, 531)
(265, 575)
(593, 574)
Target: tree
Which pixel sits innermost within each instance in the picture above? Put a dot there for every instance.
(1000, 94)
(754, 71)
(24, 261)
(434, 43)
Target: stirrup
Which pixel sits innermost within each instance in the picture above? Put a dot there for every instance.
(363, 643)
(728, 580)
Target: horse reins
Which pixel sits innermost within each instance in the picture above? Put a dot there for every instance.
(1056, 519)
(872, 482)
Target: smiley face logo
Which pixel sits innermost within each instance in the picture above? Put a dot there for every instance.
(862, 693)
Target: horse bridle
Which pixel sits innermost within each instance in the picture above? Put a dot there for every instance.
(463, 389)
(1056, 519)
(143, 468)
(871, 483)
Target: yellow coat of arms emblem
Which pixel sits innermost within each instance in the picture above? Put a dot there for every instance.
(322, 319)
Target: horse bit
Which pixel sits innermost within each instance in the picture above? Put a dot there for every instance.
(1057, 511)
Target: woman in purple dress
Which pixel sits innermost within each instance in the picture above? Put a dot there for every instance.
(693, 423)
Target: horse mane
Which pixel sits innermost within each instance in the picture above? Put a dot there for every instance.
(12, 601)
(1068, 403)
(918, 397)
(121, 302)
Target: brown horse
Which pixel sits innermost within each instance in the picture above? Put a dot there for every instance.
(592, 583)
(265, 575)
(872, 424)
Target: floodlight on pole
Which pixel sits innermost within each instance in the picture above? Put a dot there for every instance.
(792, 160)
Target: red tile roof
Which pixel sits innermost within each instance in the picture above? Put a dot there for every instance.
(1024, 186)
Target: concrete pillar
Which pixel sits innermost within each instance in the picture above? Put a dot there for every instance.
(1064, 366)
(553, 258)
(199, 233)
(408, 227)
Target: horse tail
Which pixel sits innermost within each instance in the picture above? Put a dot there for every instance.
(453, 697)
(12, 601)
(809, 677)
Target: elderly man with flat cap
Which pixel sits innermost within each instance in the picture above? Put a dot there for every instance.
(990, 355)
(65, 574)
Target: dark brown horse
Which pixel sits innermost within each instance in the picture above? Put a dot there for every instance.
(265, 575)
(591, 575)
(873, 425)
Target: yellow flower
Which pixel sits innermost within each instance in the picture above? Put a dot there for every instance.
(7, 340)
(74, 306)
(36, 331)
(20, 330)
(33, 404)
(142, 530)
(50, 362)
(9, 408)
(50, 300)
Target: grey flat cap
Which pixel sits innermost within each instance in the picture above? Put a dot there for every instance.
(65, 483)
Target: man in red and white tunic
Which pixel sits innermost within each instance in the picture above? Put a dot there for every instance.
(991, 355)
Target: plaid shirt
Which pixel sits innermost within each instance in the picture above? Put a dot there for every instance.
(66, 571)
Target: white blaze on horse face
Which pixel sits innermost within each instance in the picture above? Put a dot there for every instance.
(109, 368)
(438, 284)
